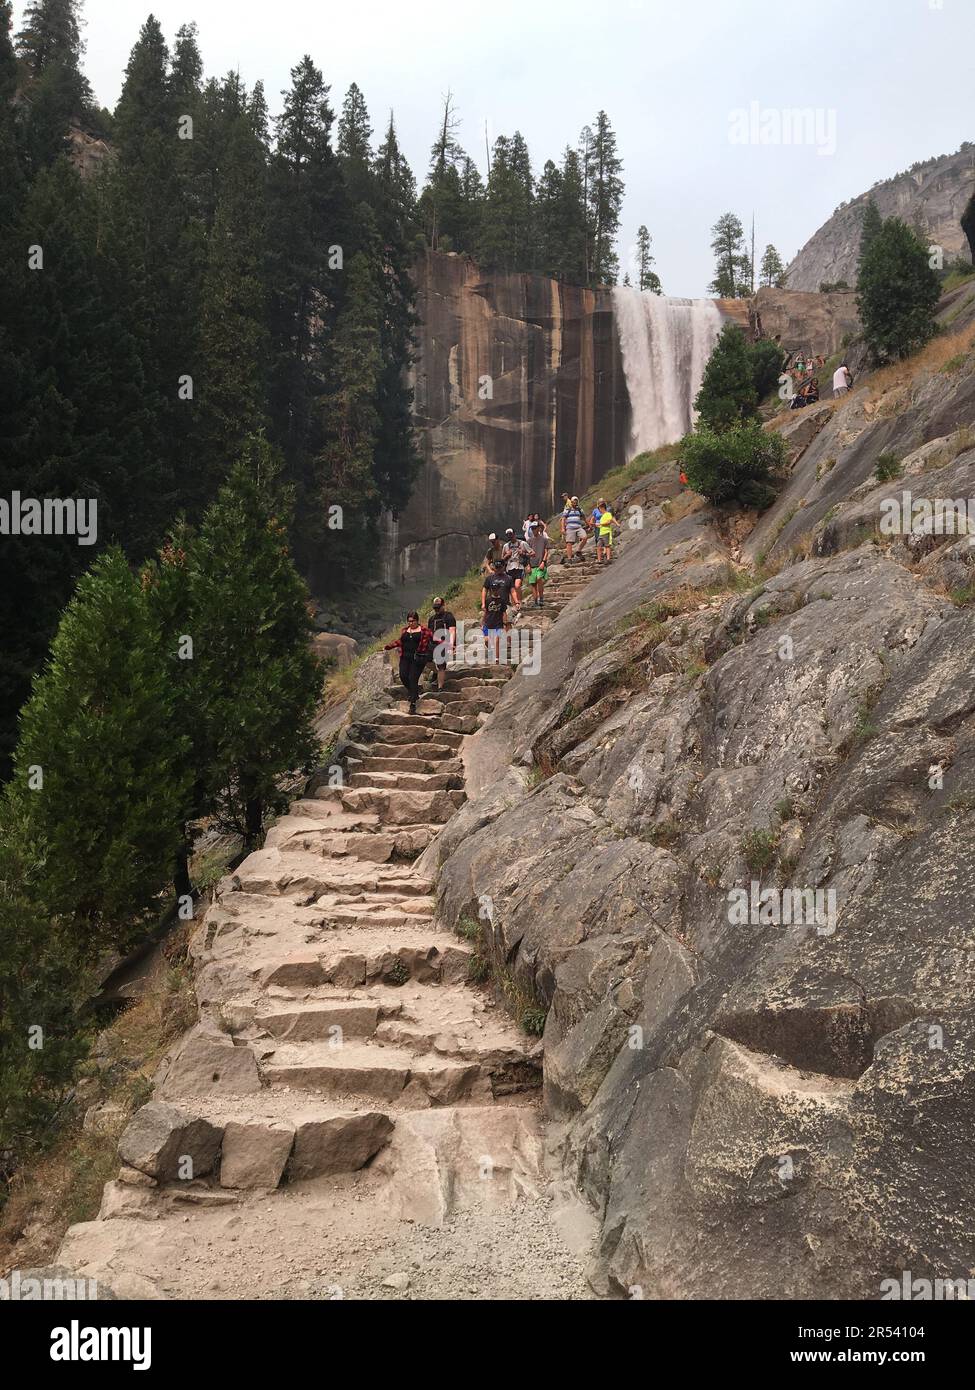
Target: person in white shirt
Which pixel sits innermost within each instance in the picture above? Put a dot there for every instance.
(841, 380)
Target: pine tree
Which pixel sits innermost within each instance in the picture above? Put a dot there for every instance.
(347, 462)
(732, 278)
(442, 195)
(871, 223)
(250, 629)
(99, 774)
(397, 459)
(772, 271)
(604, 202)
(727, 395)
(57, 93)
(548, 219)
(572, 222)
(186, 73)
(234, 311)
(506, 239)
(43, 985)
(898, 292)
(647, 277)
(354, 147)
(308, 229)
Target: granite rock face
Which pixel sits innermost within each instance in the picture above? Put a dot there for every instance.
(738, 882)
(933, 195)
(519, 395)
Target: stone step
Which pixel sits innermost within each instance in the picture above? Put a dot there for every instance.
(399, 807)
(305, 875)
(424, 752)
(357, 956)
(410, 733)
(403, 719)
(421, 781)
(387, 1074)
(452, 1020)
(374, 846)
(451, 767)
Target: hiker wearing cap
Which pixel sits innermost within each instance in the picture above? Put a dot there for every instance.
(517, 557)
(493, 553)
(538, 545)
(604, 537)
(574, 531)
(415, 646)
(443, 625)
(495, 596)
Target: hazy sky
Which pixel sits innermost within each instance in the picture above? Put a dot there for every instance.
(890, 81)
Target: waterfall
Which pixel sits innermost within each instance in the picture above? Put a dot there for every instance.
(665, 344)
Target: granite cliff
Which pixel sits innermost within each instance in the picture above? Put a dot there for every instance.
(932, 195)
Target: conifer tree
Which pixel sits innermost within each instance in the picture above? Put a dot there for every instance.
(647, 277)
(442, 196)
(250, 629)
(871, 223)
(728, 395)
(397, 459)
(51, 48)
(898, 292)
(772, 270)
(732, 277)
(234, 310)
(308, 223)
(605, 198)
(354, 147)
(99, 773)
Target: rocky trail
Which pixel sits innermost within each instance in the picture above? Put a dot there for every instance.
(351, 1117)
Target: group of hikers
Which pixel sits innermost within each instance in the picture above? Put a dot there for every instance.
(807, 384)
(506, 566)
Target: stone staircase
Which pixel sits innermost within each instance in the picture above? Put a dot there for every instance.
(335, 1017)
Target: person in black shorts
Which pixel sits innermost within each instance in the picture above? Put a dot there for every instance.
(415, 645)
(495, 597)
(443, 625)
(517, 557)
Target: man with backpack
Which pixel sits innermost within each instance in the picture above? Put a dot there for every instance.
(538, 545)
(443, 625)
(574, 530)
(517, 557)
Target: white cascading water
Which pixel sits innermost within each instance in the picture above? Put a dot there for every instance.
(665, 344)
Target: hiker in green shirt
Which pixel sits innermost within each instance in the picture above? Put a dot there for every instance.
(604, 538)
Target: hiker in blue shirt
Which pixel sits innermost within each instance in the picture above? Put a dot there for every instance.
(574, 529)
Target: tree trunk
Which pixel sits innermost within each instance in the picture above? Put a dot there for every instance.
(253, 821)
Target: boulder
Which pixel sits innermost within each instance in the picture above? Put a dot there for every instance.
(255, 1153)
(160, 1138)
(210, 1064)
(338, 1144)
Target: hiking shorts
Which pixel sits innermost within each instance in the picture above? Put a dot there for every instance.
(606, 539)
(493, 628)
(517, 574)
(575, 533)
(537, 574)
(839, 391)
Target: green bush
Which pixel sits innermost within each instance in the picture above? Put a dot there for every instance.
(887, 467)
(736, 465)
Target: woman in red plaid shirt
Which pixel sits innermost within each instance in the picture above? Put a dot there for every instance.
(415, 646)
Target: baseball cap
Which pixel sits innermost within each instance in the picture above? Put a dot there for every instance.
(510, 531)
(492, 537)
